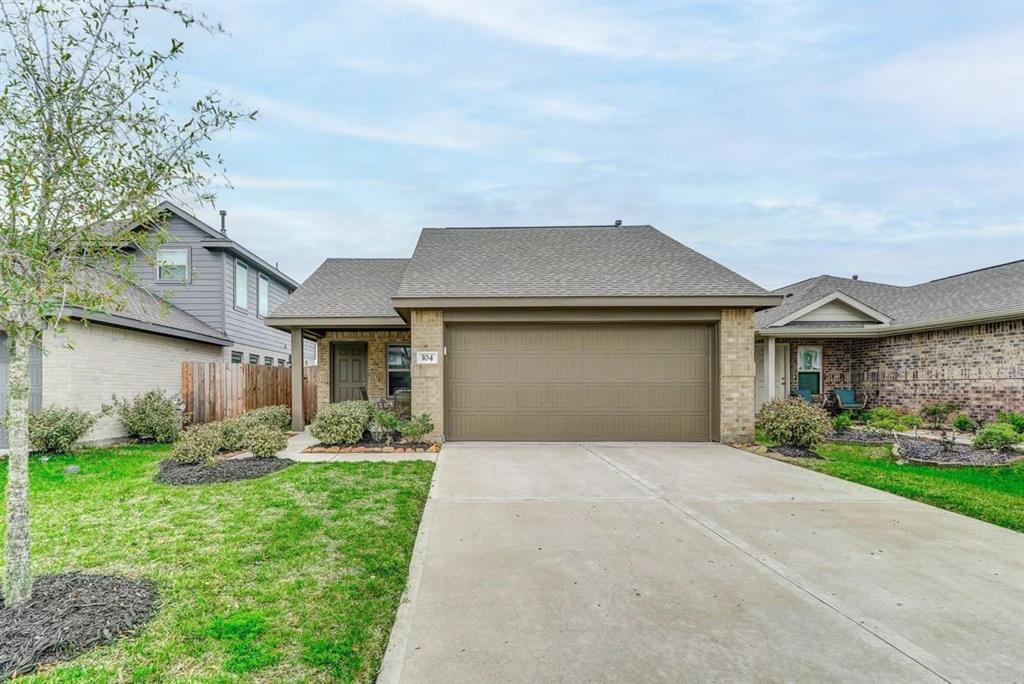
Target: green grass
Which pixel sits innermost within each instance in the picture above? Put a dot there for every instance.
(994, 494)
(295, 576)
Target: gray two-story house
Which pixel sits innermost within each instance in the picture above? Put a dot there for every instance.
(214, 278)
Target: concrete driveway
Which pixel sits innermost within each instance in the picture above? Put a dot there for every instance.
(604, 562)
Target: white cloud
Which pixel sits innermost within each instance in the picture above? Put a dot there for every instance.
(977, 82)
(591, 29)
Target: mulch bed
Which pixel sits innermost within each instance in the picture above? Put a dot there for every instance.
(68, 614)
(370, 446)
(859, 437)
(174, 473)
(935, 453)
(794, 452)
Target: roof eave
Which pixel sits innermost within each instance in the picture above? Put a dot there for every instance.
(757, 302)
(886, 330)
(335, 322)
(142, 326)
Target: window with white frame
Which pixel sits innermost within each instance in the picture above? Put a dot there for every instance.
(399, 368)
(263, 295)
(241, 285)
(808, 368)
(172, 264)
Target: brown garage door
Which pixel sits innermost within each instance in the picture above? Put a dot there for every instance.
(559, 382)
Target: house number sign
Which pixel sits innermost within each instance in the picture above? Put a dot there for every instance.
(428, 357)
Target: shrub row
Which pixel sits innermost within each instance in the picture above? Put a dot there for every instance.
(346, 422)
(260, 431)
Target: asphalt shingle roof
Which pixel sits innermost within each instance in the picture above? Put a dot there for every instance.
(585, 261)
(342, 288)
(988, 290)
(144, 307)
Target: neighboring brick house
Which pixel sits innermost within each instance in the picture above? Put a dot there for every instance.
(538, 333)
(136, 349)
(959, 339)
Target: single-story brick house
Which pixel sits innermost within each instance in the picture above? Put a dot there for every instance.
(959, 338)
(137, 349)
(538, 333)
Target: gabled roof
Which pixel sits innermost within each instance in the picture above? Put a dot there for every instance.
(142, 310)
(564, 261)
(345, 288)
(993, 292)
(218, 240)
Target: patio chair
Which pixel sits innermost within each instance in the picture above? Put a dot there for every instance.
(846, 400)
(804, 394)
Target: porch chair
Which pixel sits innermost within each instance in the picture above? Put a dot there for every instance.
(804, 394)
(846, 400)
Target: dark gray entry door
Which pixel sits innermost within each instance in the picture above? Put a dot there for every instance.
(35, 373)
(348, 371)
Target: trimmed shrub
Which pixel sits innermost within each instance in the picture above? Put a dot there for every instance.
(964, 423)
(264, 441)
(997, 436)
(936, 414)
(341, 423)
(154, 415)
(794, 423)
(278, 417)
(842, 422)
(233, 432)
(384, 424)
(887, 419)
(416, 427)
(198, 444)
(56, 430)
(1012, 418)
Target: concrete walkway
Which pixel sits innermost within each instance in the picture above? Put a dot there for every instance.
(301, 441)
(602, 563)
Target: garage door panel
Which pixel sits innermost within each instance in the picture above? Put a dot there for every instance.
(578, 382)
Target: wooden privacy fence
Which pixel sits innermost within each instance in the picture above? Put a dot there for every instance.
(214, 391)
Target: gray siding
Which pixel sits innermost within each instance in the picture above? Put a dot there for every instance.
(243, 326)
(203, 296)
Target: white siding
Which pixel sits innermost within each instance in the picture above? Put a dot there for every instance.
(108, 361)
(835, 312)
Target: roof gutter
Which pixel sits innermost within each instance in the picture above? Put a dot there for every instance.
(756, 302)
(886, 330)
(334, 322)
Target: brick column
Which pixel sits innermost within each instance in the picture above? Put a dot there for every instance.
(428, 379)
(736, 375)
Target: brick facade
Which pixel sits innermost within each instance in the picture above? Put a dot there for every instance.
(980, 367)
(428, 379)
(107, 361)
(377, 342)
(736, 375)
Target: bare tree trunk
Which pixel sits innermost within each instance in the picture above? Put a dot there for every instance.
(18, 564)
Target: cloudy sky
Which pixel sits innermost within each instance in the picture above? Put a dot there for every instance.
(784, 140)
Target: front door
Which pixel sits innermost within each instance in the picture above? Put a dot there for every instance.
(348, 371)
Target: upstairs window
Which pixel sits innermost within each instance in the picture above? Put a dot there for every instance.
(241, 285)
(262, 295)
(172, 264)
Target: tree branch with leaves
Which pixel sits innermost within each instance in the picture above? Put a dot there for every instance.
(89, 144)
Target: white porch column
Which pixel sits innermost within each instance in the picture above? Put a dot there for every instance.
(298, 364)
(769, 368)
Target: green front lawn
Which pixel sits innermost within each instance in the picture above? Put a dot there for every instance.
(993, 494)
(293, 576)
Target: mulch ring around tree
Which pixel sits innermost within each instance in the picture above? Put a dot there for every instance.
(174, 473)
(69, 614)
(929, 452)
(794, 452)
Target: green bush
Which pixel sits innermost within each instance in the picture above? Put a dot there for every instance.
(198, 444)
(997, 436)
(879, 414)
(154, 415)
(384, 423)
(936, 414)
(1012, 418)
(56, 430)
(233, 432)
(278, 417)
(887, 419)
(842, 422)
(416, 427)
(794, 423)
(341, 423)
(964, 423)
(264, 441)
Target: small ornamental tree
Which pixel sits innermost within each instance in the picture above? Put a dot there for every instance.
(88, 147)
